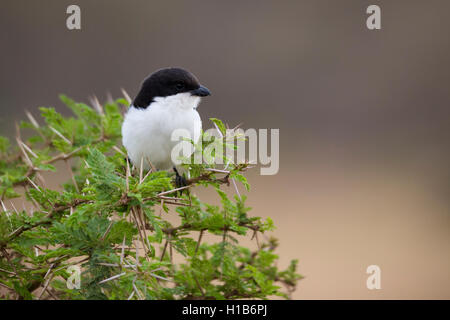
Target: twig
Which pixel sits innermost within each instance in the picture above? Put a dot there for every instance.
(6, 287)
(45, 286)
(198, 285)
(61, 156)
(164, 250)
(217, 170)
(106, 232)
(72, 175)
(6, 271)
(198, 242)
(46, 220)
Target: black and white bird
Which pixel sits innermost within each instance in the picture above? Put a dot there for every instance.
(168, 100)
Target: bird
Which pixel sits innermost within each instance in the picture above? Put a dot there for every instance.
(167, 100)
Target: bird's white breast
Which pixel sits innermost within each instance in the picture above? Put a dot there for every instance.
(146, 133)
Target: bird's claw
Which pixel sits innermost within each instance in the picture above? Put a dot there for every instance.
(180, 181)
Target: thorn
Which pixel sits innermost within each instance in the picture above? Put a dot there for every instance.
(119, 151)
(32, 119)
(34, 185)
(6, 212)
(96, 104)
(127, 175)
(60, 135)
(131, 295)
(107, 231)
(173, 190)
(109, 97)
(4, 207)
(159, 277)
(236, 127)
(236, 188)
(28, 149)
(148, 173)
(137, 291)
(26, 157)
(126, 95)
(12, 205)
(24, 208)
(72, 175)
(122, 253)
(41, 179)
(151, 164)
(17, 130)
(227, 165)
(113, 277)
(218, 170)
(217, 128)
(137, 254)
(140, 169)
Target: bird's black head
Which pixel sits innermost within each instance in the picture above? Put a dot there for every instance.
(168, 82)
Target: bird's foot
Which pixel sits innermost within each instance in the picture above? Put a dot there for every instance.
(180, 181)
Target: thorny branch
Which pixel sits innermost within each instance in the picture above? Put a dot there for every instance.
(28, 162)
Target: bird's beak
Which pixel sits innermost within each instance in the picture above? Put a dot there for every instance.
(201, 92)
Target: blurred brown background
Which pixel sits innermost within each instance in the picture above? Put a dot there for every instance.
(363, 115)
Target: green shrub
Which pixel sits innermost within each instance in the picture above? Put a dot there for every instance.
(111, 220)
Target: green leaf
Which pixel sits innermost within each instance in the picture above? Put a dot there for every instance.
(220, 125)
(4, 144)
(104, 179)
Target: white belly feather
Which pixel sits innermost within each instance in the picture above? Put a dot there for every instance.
(146, 133)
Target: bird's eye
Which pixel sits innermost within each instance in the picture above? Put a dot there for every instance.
(179, 85)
